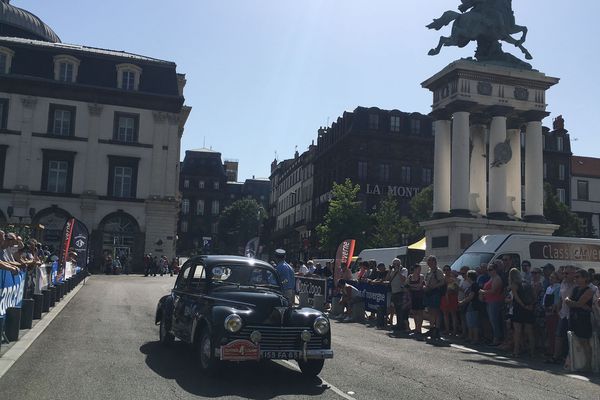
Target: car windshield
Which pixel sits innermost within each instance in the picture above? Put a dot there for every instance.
(471, 260)
(244, 276)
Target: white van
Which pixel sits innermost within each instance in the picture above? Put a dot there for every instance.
(386, 255)
(538, 249)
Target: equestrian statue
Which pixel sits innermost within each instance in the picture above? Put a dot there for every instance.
(487, 22)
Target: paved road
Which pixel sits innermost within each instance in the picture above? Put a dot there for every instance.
(103, 346)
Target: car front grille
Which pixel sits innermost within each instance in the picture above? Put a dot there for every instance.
(280, 338)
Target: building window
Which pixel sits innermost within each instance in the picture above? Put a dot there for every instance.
(216, 185)
(215, 207)
(126, 127)
(363, 170)
(128, 76)
(61, 120)
(200, 184)
(6, 56)
(3, 148)
(66, 68)
(122, 177)
(405, 175)
(426, 176)
(214, 228)
(57, 171)
(200, 207)
(560, 193)
(186, 183)
(395, 123)
(559, 143)
(545, 171)
(3, 113)
(373, 121)
(185, 206)
(184, 226)
(415, 126)
(583, 190)
(384, 172)
(561, 172)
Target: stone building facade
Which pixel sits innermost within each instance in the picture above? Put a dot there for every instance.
(89, 133)
(585, 189)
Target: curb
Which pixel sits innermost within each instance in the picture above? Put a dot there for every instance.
(16, 351)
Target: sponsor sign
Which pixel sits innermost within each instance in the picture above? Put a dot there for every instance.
(240, 350)
(343, 257)
(41, 279)
(11, 290)
(312, 286)
(375, 295)
(565, 251)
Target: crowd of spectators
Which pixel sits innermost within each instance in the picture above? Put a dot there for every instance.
(521, 310)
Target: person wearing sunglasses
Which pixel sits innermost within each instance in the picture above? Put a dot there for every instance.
(566, 288)
(580, 313)
(493, 295)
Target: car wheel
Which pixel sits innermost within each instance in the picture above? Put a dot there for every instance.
(164, 336)
(311, 368)
(206, 354)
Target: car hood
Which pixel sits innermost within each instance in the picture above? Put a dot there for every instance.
(251, 298)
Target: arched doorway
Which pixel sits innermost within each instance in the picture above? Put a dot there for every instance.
(3, 219)
(53, 219)
(119, 236)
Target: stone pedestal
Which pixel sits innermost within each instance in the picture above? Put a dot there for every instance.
(447, 238)
(477, 181)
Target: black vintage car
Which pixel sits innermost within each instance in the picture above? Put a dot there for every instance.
(232, 309)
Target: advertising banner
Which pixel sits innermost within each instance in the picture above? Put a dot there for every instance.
(343, 257)
(375, 295)
(552, 251)
(41, 279)
(74, 239)
(312, 286)
(65, 244)
(11, 290)
(79, 243)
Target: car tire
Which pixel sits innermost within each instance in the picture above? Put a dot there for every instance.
(206, 353)
(311, 368)
(164, 336)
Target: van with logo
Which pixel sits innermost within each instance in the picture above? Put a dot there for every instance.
(538, 249)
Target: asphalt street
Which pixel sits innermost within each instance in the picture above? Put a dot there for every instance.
(104, 346)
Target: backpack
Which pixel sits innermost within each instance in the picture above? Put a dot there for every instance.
(526, 294)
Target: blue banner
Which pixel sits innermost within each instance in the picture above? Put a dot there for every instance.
(375, 295)
(11, 290)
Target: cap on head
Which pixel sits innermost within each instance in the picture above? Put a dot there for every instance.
(11, 236)
(280, 253)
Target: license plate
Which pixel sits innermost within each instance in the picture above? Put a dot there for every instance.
(240, 350)
(281, 355)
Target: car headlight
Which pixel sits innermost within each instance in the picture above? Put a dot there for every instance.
(321, 325)
(233, 323)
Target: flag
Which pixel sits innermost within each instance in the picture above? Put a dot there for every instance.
(74, 238)
(343, 258)
(251, 247)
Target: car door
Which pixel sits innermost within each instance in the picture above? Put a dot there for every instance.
(179, 295)
(192, 298)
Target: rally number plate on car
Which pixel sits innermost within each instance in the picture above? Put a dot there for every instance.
(240, 350)
(281, 355)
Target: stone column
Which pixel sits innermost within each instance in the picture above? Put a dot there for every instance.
(497, 171)
(534, 168)
(459, 193)
(478, 181)
(442, 164)
(513, 189)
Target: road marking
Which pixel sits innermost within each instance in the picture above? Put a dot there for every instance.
(579, 377)
(335, 389)
(12, 355)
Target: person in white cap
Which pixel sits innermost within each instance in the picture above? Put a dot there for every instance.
(400, 296)
(286, 276)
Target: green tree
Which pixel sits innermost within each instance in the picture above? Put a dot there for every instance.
(239, 223)
(345, 218)
(558, 213)
(421, 206)
(387, 220)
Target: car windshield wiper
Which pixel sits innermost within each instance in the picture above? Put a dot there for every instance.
(268, 285)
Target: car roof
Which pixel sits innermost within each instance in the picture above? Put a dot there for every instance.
(224, 259)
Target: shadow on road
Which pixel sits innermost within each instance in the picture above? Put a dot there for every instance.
(250, 380)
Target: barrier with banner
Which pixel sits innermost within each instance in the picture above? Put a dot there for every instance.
(312, 286)
(376, 296)
(41, 278)
(11, 290)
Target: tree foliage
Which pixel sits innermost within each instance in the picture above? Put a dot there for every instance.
(390, 229)
(239, 223)
(558, 213)
(345, 218)
(421, 206)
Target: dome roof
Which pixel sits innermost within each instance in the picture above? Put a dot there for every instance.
(15, 21)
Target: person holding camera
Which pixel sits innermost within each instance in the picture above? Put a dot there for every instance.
(400, 297)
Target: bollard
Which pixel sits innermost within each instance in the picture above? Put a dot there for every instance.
(1, 332)
(13, 322)
(319, 302)
(67, 285)
(46, 302)
(303, 299)
(70, 284)
(59, 291)
(336, 308)
(27, 313)
(358, 312)
(38, 305)
(52, 296)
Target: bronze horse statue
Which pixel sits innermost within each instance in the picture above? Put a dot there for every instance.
(485, 21)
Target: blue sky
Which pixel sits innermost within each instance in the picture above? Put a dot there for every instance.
(264, 75)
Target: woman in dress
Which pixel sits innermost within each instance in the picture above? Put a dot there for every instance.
(449, 304)
(580, 316)
(523, 312)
